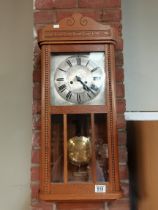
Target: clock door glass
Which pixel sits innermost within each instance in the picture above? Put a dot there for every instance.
(78, 79)
(57, 152)
(81, 154)
(101, 148)
(79, 148)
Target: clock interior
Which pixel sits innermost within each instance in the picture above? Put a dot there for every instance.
(83, 135)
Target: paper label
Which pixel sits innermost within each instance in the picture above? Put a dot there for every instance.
(100, 188)
(56, 26)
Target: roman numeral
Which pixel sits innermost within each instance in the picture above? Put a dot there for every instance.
(96, 78)
(60, 79)
(62, 88)
(69, 94)
(78, 98)
(69, 63)
(94, 69)
(61, 69)
(87, 63)
(94, 87)
(78, 59)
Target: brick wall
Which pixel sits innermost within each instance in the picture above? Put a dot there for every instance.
(104, 11)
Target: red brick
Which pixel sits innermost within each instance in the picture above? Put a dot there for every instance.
(36, 107)
(80, 206)
(37, 91)
(36, 139)
(121, 105)
(122, 154)
(37, 76)
(37, 58)
(35, 191)
(98, 15)
(35, 174)
(55, 4)
(121, 123)
(119, 205)
(94, 14)
(35, 156)
(43, 4)
(37, 63)
(120, 90)
(119, 75)
(99, 3)
(118, 28)
(107, 15)
(121, 137)
(44, 17)
(119, 45)
(119, 58)
(123, 169)
(36, 121)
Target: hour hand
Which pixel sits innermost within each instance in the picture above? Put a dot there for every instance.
(85, 87)
(79, 80)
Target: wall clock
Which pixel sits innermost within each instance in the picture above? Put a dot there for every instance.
(79, 157)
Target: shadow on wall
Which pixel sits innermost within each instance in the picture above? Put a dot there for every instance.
(132, 159)
(142, 143)
(134, 154)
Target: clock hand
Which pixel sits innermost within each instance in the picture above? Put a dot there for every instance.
(79, 80)
(84, 85)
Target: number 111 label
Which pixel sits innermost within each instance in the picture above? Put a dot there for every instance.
(100, 188)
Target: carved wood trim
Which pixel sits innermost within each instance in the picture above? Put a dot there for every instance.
(115, 132)
(75, 28)
(112, 128)
(45, 122)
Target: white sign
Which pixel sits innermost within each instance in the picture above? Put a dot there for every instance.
(56, 26)
(100, 188)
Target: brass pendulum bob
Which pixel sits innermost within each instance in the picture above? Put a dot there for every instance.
(79, 152)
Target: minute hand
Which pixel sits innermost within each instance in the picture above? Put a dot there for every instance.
(84, 85)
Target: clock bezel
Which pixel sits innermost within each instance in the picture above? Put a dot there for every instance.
(87, 98)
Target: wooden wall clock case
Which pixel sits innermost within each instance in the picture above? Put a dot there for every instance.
(78, 112)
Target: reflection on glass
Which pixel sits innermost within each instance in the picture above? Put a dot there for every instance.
(57, 148)
(101, 148)
(79, 148)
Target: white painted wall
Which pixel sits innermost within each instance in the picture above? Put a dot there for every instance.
(140, 33)
(15, 103)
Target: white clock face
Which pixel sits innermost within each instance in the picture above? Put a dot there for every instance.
(77, 79)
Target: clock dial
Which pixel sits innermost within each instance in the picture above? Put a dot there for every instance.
(78, 79)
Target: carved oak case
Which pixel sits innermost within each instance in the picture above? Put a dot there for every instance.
(79, 151)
